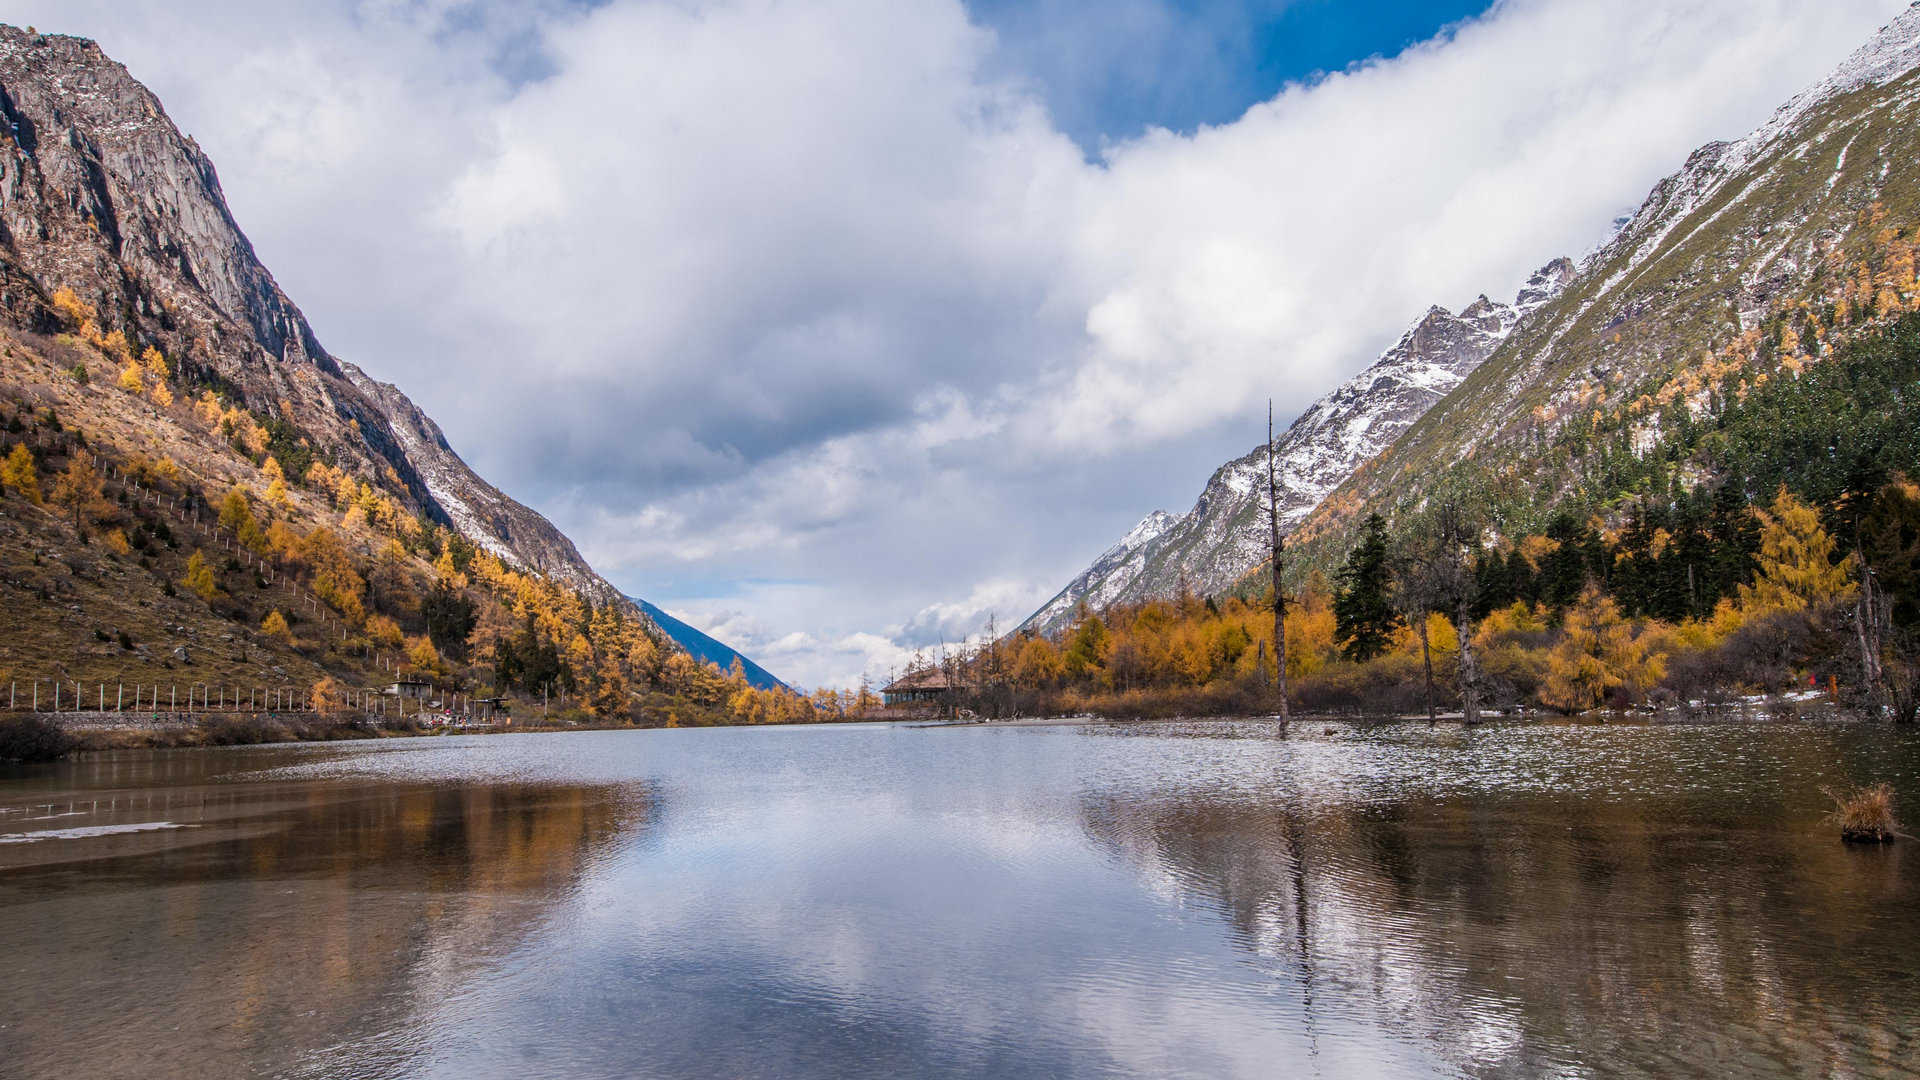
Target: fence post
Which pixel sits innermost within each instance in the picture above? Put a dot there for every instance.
(119, 697)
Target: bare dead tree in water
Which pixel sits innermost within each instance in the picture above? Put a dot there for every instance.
(1417, 578)
(1453, 587)
(1279, 590)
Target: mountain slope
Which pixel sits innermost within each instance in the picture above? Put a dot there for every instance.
(1224, 535)
(709, 650)
(1748, 263)
(195, 489)
(102, 195)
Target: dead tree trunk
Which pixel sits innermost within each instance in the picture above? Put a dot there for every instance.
(1866, 619)
(1469, 668)
(1426, 659)
(1279, 590)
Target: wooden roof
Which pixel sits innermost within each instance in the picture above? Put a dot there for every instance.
(930, 679)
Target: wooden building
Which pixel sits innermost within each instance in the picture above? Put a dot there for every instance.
(930, 686)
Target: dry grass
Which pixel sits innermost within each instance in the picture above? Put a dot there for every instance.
(1865, 815)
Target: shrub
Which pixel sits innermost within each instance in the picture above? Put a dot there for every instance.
(244, 731)
(33, 739)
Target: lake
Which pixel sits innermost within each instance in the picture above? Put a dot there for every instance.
(1211, 899)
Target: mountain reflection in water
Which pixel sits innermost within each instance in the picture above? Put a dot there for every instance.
(1203, 899)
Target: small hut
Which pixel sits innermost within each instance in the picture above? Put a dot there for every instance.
(410, 689)
(930, 686)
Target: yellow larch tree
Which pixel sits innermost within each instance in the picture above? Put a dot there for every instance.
(1796, 565)
(156, 365)
(385, 632)
(79, 490)
(199, 577)
(17, 474)
(1598, 652)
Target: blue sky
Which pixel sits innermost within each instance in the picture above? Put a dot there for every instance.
(1109, 70)
(834, 326)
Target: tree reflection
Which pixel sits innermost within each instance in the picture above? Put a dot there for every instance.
(285, 916)
(1547, 931)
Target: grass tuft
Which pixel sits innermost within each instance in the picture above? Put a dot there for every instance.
(1865, 815)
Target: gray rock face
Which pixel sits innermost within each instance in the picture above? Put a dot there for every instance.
(1225, 534)
(101, 194)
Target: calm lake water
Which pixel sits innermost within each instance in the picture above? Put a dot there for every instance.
(1196, 899)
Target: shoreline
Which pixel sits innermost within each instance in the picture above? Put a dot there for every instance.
(92, 733)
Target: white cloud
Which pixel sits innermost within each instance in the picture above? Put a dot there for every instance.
(746, 290)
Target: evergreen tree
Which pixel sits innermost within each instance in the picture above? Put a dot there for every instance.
(1492, 584)
(1522, 582)
(1363, 611)
(450, 618)
(1733, 542)
(1890, 545)
(1563, 573)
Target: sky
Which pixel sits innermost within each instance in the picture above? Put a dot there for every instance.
(836, 327)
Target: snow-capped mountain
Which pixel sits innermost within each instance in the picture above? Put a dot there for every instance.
(1225, 534)
(1743, 234)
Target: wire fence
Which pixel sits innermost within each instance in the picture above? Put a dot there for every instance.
(401, 701)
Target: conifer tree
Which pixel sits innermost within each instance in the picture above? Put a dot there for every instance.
(1890, 547)
(17, 474)
(1364, 615)
(1037, 666)
(79, 490)
(1598, 652)
(199, 577)
(1563, 573)
(1087, 647)
(1797, 568)
(275, 626)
